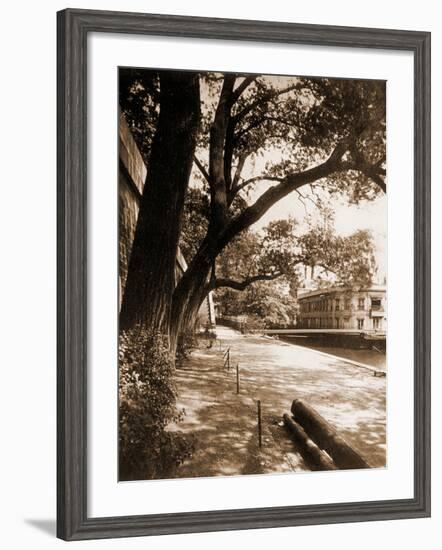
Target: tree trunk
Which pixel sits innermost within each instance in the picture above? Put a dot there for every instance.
(150, 281)
(191, 290)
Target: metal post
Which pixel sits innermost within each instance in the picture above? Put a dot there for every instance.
(237, 378)
(226, 356)
(259, 424)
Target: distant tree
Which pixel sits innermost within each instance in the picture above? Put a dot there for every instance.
(351, 258)
(252, 257)
(252, 262)
(263, 303)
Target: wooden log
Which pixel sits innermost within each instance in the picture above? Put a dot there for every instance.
(307, 447)
(326, 437)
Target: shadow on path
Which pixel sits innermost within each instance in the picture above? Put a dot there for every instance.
(225, 424)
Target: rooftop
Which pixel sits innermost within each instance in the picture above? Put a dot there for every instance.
(340, 289)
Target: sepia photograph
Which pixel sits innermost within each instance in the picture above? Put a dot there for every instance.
(252, 212)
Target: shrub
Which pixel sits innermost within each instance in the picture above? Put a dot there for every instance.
(187, 341)
(253, 322)
(147, 404)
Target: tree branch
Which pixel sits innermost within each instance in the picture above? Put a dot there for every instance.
(267, 97)
(373, 171)
(218, 129)
(235, 189)
(228, 153)
(260, 121)
(202, 169)
(242, 87)
(241, 161)
(242, 285)
(288, 184)
(377, 179)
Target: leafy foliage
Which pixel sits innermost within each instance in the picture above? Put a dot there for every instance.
(269, 254)
(278, 126)
(187, 341)
(350, 259)
(277, 254)
(195, 221)
(264, 304)
(147, 398)
(139, 102)
(295, 122)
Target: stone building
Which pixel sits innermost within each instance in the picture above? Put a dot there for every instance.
(131, 177)
(351, 308)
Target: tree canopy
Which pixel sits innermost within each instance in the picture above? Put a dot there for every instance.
(262, 138)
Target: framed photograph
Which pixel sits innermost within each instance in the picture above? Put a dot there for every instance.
(243, 274)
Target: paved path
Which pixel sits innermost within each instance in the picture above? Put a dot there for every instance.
(224, 423)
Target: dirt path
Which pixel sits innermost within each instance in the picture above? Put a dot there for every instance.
(224, 424)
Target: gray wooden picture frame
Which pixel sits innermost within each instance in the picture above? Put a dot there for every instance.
(73, 28)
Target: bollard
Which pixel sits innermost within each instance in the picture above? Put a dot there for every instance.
(259, 424)
(227, 358)
(237, 378)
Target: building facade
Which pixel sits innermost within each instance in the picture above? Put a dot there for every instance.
(356, 309)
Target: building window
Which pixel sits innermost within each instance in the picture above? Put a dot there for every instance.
(376, 323)
(347, 304)
(360, 324)
(376, 303)
(361, 303)
(337, 304)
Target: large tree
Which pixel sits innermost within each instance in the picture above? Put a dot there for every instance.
(150, 282)
(312, 132)
(277, 134)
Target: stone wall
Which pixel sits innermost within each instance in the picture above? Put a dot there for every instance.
(131, 177)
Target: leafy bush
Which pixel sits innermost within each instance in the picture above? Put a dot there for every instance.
(187, 341)
(147, 404)
(253, 322)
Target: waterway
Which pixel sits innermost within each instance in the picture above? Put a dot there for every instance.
(369, 357)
